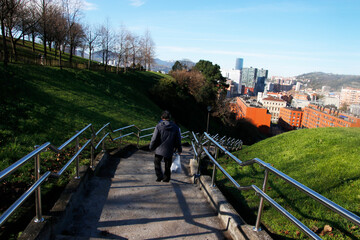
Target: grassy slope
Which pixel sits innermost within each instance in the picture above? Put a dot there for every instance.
(326, 160)
(48, 104)
(40, 104)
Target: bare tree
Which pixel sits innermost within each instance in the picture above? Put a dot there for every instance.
(77, 36)
(59, 31)
(32, 21)
(127, 49)
(107, 40)
(10, 11)
(148, 50)
(72, 9)
(43, 11)
(91, 35)
(120, 47)
(134, 47)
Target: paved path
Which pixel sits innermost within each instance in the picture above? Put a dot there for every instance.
(125, 202)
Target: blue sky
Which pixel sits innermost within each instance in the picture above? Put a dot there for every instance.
(288, 37)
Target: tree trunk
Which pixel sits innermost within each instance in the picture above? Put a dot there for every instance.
(89, 57)
(6, 53)
(13, 46)
(60, 63)
(33, 41)
(56, 49)
(71, 53)
(44, 44)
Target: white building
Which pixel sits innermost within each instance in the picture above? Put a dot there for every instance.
(273, 105)
(299, 103)
(349, 96)
(234, 75)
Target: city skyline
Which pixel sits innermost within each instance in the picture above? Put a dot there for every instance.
(286, 37)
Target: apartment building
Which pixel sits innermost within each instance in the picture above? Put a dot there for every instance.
(253, 112)
(290, 118)
(349, 96)
(273, 105)
(315, 116)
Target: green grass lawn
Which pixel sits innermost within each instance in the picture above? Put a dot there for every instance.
(324, 159)
(48, 104)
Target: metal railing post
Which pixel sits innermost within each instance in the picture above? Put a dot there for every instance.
(92, 151)
(138, 140)
(213, 179)
(103, 144)
(38, 206)
(199, 159)
(261, 204)
(77, 159)
(120, 137)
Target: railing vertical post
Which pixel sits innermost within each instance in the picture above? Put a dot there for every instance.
(120, 137)
(92, 151)
(38, 206)
(138, 140)
(213, 179)
(199, 158)
(261, 204)
(103, 145)
(77, 158)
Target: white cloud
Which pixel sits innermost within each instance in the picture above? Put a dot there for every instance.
(137, 3)
(87, 6)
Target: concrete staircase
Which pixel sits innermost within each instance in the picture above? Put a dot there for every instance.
(123, 201)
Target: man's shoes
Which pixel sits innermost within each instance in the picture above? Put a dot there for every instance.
(166, 180)
(159, 179)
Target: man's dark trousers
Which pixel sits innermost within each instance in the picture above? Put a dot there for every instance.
(159, 174)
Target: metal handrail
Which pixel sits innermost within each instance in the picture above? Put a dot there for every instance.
(22, 161)
(73, 137)
(22, 199)
(48, 146)
(268, 168)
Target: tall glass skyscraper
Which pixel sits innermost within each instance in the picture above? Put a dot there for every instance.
(239, 64)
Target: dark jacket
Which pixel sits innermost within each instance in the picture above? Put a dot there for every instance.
(166, 139)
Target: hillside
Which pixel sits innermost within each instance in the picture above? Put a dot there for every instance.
(335, 81)
(324, 159)
(41, 104)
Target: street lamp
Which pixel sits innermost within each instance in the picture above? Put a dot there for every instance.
(207, 126)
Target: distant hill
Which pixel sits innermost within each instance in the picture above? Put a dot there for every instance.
(161, 65)
(334, 81)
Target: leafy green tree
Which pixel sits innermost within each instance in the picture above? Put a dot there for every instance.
(211, 72)
(178, 66)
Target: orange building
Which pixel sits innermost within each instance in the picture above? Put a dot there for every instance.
(290, 118)
(257, 115)
(317, 116)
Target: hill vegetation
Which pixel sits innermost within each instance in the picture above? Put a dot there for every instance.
(334, 81)
(324, 159)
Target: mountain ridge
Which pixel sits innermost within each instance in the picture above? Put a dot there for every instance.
(334, 81)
